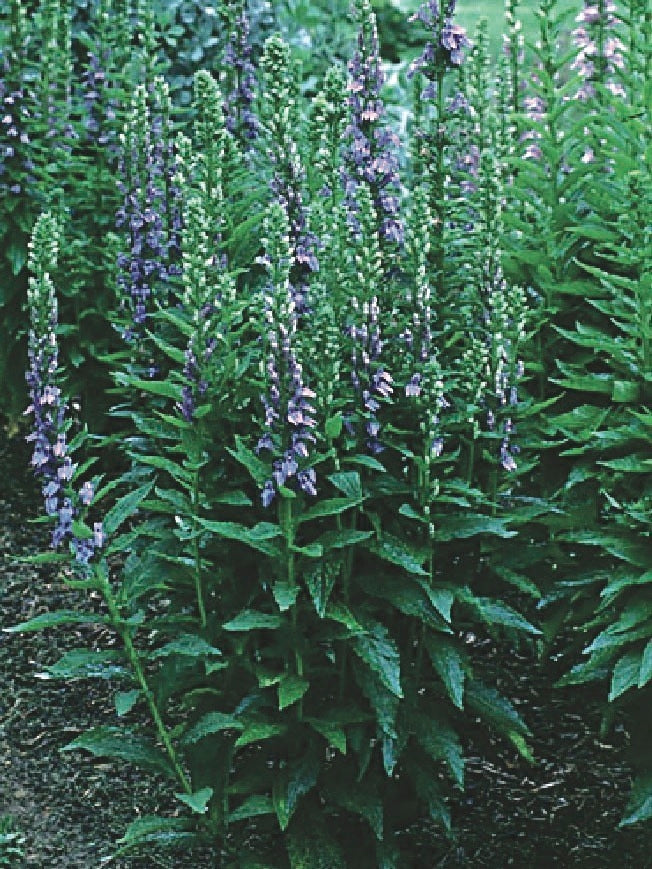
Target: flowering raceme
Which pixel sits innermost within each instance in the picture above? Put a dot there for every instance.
(51, 458)
(600, 56)
(239, 115)
(370, 148)
(149, 215)
(289, 414)
(280, 120)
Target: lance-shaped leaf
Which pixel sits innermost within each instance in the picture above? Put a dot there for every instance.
(125, 745)
(125, 508)
(54, 619)
(260, 537)
(379, 652)
(251, 620)
(210, 723)
(449, 666)
(292, 782)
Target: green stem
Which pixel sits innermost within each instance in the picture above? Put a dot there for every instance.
(134, 659)
(287, 525)
(196, 552)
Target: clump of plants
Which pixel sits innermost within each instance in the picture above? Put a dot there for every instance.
(332, 453)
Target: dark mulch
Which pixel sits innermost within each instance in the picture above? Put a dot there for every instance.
(562, 811)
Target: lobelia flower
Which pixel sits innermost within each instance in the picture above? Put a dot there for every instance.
(600, 54)
(279, 121)
(150, 215)
(423, 375)
(239, 115)
(370, 149)
(16, 159)
(289, 412)
(448, 45)
(372, 382)
(51, 460)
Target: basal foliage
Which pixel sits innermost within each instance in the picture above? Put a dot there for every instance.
(370, 392)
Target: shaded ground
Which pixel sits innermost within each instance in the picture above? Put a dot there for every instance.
(563, 811)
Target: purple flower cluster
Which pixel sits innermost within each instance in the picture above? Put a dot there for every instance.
(51, 459)
(600, 53)
(447, 47)
(100, 108)
(14, 138)
(289, 412)
(370, 149)
(239, 116)
(287, 187)
(370, 379)
(150, 214)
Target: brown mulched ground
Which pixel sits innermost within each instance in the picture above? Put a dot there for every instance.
(563, 811)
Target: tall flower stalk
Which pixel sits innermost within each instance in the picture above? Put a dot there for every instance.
(149, 215)
(52, 457)
(281, 125)
(370, 149)
(289, 412)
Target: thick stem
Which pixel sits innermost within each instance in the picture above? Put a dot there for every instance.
(134, 659)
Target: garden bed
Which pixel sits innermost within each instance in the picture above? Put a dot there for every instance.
(563, 810)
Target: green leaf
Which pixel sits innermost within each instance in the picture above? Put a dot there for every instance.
(54, 619)
(333, 734)
(380, 653)
(162, 388)
(188, 646)
(384, 703)
(393, 550)
(349, 484)
(125, 745)
(340, 539)
(292, 783)
(448, 665)
(290, 689)
(328, 507)
(461, 527)
(126, 700)
(87, 664)
(174, 353)
(320, 580)
(208, 724)
(645, 672)
(493, 612)
(237, 498)
(17, 255)
(427, 787)
(333, 426)
(639, 807)
(259, 537)
(494, 708)
(258, 470)
(258, 732)
(285, 594)
(252, 807)
(251, 620)
(153, 830)
(440, 742)
(198, 801)
(162, 464)
(625, 391)
(360, 798)
(366, 462)
(125, 508)
(625, 674)
(41, 558)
